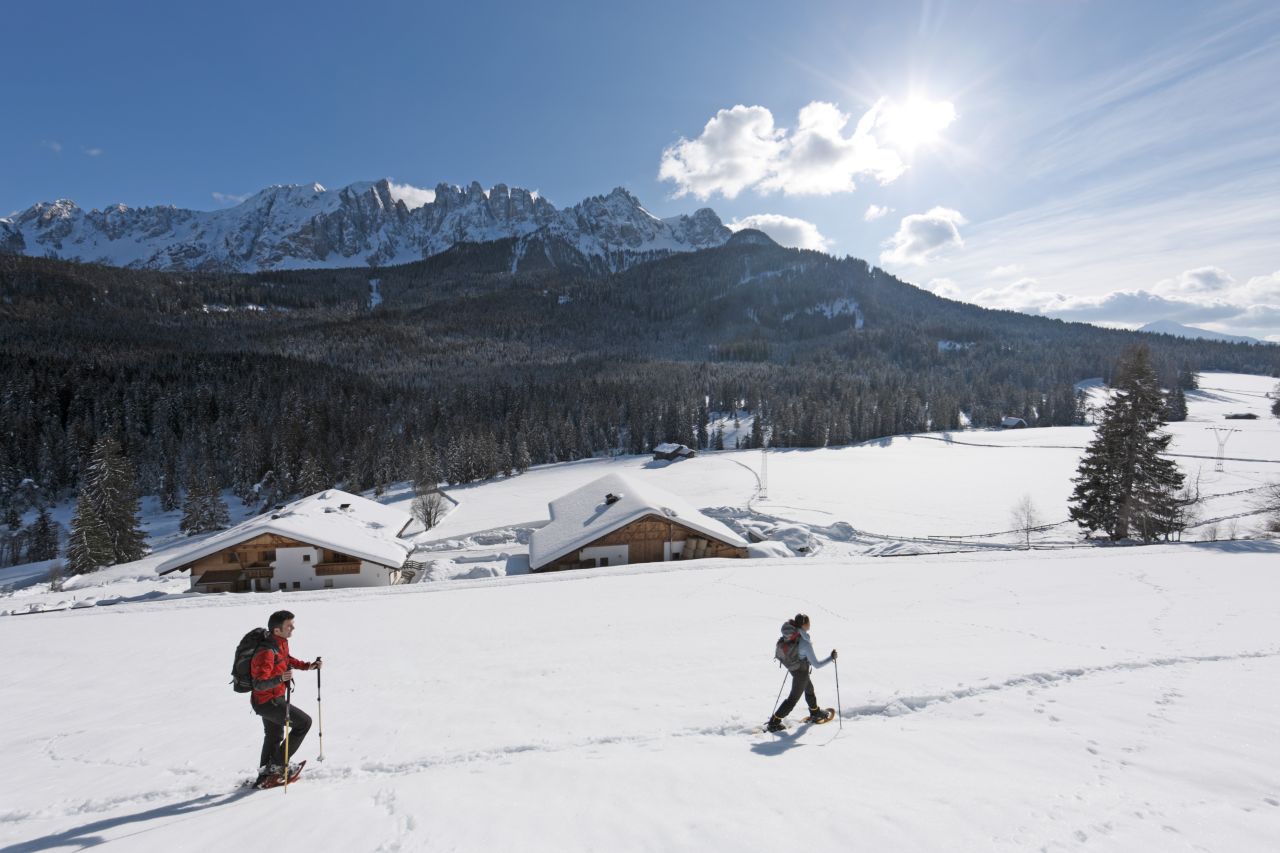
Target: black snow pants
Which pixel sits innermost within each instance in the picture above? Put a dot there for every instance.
(800, 683)
(272, 714)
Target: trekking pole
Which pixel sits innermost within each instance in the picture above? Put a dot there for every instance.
(288, 698)
(785, 673)
(319, 713)
(839, 706)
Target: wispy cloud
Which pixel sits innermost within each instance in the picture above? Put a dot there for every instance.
(93, 152)
(51, 145)
(1167, 164)
(876, 211)
(923, 236)
(786, 230)
(742, 148)
(229, 198)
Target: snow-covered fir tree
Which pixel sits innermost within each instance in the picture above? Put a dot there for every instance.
(89, 545)
(105, 529)
(1124, 486)
(203, 510)
(42, 538)
(1176, 406)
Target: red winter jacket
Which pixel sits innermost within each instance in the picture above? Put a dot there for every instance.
(268, 664)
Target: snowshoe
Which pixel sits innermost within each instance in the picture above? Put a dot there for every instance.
(818, 716)
(775, 725)
(274, 778)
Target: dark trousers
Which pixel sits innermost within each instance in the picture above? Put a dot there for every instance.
(272, 714)
(800, 683)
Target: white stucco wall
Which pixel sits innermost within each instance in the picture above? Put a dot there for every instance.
(292, 567)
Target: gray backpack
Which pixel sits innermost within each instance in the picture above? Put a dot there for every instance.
(787, 649)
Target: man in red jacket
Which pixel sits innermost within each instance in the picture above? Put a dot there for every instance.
(272, 672)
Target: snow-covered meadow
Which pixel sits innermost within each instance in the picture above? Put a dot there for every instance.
(1067, 700)
(1064, 698)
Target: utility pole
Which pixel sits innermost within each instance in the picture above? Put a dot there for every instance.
(764, 471)
(1222, 434)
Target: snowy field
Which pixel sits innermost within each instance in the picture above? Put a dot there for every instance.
(1065, 698)
(1114, 698)
(893, 496)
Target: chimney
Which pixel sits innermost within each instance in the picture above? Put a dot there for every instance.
(611, 498)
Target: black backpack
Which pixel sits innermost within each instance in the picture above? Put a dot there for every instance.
(241, 678)
(787, 649)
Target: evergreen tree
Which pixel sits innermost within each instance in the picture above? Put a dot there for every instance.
(203, 510)
(1123, 485)
(89, 545)
(1176, 406)
(107, 508)
(717, 441)
(170, 488)
(42, 538)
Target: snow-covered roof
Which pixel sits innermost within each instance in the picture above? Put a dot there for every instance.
(584, 515)
(670, 447)
(365, 529)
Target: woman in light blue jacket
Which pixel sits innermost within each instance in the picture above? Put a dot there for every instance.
(797, 654)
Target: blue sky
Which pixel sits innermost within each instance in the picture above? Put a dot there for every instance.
(1116, 162)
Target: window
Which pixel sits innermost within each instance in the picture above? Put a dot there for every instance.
(306, 558)
(284, 585)
(230, 556)
(268, 556)
(328, 583)
(297, 584)
(603, 561)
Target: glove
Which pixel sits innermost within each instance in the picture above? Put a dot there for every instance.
(833, 654)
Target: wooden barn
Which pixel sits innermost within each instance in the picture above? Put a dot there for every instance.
(617, 521)
(330, 539)
(671, 452)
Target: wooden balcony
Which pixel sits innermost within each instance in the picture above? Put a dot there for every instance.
(344, 568)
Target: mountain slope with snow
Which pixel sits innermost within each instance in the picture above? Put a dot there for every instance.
(306, 226)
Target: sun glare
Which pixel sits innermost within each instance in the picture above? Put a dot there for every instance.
(916, 122)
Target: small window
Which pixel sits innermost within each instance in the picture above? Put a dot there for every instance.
(297, 584)
(268, 556)
(230, 557)
(306, 558)
(284, 585)
(604, 561)
(328, 583)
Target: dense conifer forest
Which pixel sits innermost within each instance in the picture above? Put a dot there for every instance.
(285, 382)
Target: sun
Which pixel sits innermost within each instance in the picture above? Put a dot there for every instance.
(915, 122)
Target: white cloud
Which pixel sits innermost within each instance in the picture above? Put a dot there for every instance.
(413, 197)
(944, 287)
(875, 212)
(1196, 296)
(786, 230)
(742, 148)
(52, 144)
(229, 198)
(1197, 281)
(922, 236)
(735, 151)
(1007, 269)
(92, 152)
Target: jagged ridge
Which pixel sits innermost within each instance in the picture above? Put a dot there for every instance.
(307, 226)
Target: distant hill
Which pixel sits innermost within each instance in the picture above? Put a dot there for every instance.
(1169, 327)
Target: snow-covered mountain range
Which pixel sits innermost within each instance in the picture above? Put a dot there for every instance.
(307, 226)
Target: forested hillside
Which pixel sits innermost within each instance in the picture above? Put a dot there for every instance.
(464, 369)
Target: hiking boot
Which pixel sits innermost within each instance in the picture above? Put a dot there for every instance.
(774, 724)
(819, 715)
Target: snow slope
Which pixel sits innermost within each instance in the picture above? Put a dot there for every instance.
(1115, 699)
